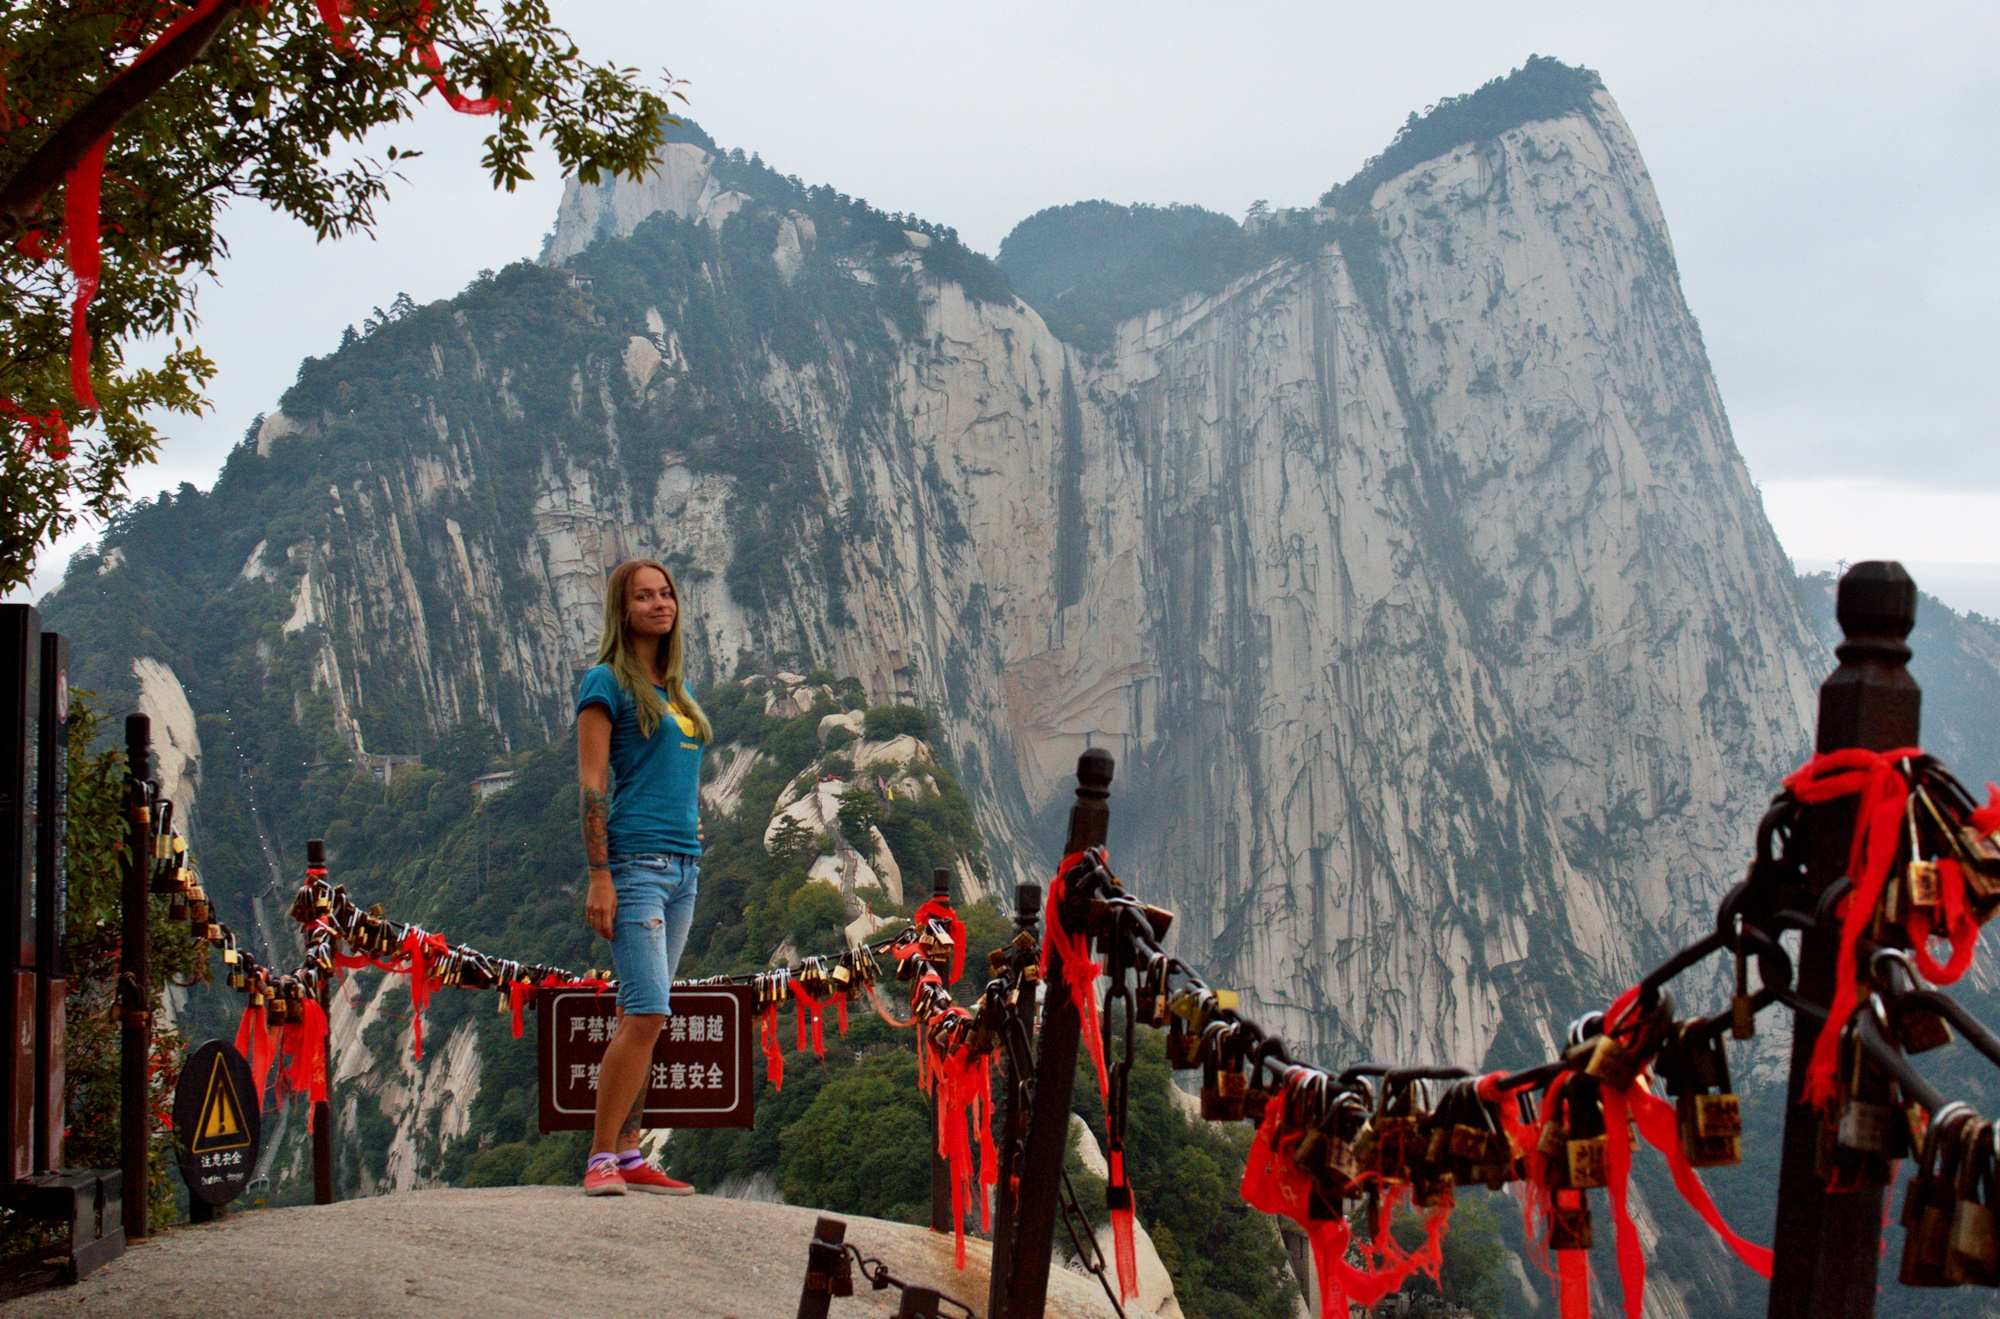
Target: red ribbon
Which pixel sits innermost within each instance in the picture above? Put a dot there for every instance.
(962, 1086)
(518, 995)
(1273, 1184)
(1661, 1129)
(1961, 927)
(840, 1012)
(1078, 970)
(420, 949)
(86, 256)
(1573, 1280)
(1883, 791)
(767, 1034)
(304, 1045)
(1986, 819)
(939, 909)
(253, 1041)
(1124, 1248)
(805, 1006)
(45, 430)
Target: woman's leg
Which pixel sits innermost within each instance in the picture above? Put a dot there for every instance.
(639, 956)
(621, 1083)
(677, 917)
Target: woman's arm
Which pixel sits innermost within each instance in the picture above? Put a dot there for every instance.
(593, 778)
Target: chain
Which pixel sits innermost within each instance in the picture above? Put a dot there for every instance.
(881, 1279)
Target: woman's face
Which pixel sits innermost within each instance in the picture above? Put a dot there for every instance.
(650, 606)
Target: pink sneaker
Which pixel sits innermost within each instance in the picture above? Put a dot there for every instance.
(603, 1179)
(652, 1181)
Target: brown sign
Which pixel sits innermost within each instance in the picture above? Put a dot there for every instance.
(701, 1073)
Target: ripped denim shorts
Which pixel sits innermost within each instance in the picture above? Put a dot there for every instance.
(655, 908)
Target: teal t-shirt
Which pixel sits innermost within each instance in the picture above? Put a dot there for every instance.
(655, 781)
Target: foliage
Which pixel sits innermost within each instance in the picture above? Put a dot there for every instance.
(1542, 88)
(860, 808)
(1474, 1274)
(257, 118)
(882, 722)
(94, 836)
(1089, 265)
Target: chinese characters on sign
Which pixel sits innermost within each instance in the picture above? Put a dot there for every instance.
(216, 1123)
(701, 1074)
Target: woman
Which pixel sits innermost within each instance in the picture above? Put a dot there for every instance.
(639, 738)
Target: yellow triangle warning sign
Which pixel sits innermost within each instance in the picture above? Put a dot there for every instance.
(221, 1126)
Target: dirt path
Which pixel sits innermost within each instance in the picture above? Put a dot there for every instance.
(520, 1251)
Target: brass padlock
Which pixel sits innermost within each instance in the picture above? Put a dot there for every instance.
(1587, 1161)
(1925, 890)
(1973, 1254)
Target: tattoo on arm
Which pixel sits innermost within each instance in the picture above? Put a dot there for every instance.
(596, 811)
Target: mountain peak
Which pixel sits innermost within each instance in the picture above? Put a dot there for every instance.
(1542, 88)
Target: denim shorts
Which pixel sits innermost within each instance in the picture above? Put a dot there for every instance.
(655, 908)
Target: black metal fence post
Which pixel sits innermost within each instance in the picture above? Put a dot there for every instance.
(135, 978)
(1827, 1246)
(322, 1109)
(1055, 1074)
(1015, 1073)
(940, 1168)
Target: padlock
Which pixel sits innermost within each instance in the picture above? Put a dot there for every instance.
(1921, 881)
(1973, 1253)
(1928, 1205)
(1920, 1029)
(1223, 1084)
(1569, 1220)
(1709, 1115)
(1622, 1052)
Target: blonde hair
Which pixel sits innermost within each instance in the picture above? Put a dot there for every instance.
(618, 651)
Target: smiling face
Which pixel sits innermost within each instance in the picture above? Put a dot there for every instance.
(650, 604)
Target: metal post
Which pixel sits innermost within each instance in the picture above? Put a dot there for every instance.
(1828, 1246)
(51, 902)
(1055, 1073)
(940, 1168)
(322, 1109)
(826, 1259)
(135, 979)
(1014, 1079)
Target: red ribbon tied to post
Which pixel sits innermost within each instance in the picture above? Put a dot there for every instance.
(1079, 971)
(1872, 776)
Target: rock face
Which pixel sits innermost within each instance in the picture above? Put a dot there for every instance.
(1414, 579)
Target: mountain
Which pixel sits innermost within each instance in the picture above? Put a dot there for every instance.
(1397, 546)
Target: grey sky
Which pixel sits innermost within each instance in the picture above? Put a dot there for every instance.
(1827, 172)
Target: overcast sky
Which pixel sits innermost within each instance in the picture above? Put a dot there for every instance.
(1828, 173)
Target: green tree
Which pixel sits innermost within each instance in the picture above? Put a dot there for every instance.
(243, 102)
(1474, 1273)
(860, 809)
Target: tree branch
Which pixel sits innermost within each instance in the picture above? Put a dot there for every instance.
(21, 197)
